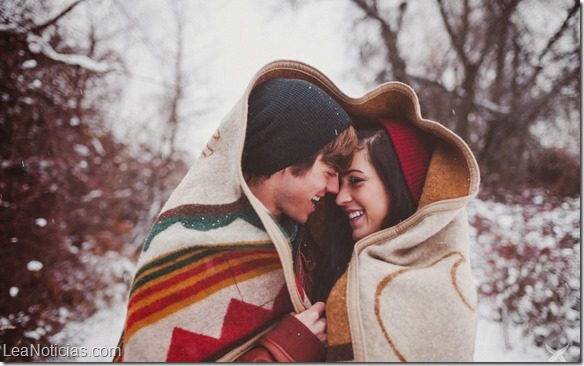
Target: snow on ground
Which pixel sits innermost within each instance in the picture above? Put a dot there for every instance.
(490, 346)
(100, 332)
(103, 330)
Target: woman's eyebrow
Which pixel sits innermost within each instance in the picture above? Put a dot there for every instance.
(347, 172)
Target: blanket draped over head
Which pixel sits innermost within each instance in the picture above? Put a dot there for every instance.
(216, 270)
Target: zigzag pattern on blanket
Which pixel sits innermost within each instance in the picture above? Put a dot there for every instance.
(242, 322)
(241, 273)
(180, 279)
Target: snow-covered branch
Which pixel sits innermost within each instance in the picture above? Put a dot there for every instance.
(55, 19)
(10, 28)
(37, 44)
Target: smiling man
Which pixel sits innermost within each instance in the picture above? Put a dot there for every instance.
(297, 140)
(219, 274)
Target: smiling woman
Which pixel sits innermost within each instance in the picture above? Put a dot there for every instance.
(383, 185)
(363, 197)
(396, 274)
(380, 189)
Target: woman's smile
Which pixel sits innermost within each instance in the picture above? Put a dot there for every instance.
(363, 197)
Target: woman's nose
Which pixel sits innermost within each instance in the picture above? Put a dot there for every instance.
(343, 197)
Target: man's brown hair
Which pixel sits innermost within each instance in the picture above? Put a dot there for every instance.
(338, 153)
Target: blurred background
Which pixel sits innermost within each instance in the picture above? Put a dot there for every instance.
(104, 105)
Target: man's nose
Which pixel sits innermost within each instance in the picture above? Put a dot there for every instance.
(332, 185)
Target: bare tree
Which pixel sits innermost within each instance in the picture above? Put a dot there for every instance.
(508, 76)
(176, 95)
(55, 163)
(389, 32)
(71, 194)
(167, 94)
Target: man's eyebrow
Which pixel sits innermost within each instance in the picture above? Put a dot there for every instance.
(347, 172)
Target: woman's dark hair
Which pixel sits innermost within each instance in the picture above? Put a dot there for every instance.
(338, 236)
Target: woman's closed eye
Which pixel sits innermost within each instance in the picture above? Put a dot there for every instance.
(355, 180)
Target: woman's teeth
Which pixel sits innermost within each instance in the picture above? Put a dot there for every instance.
(316, 198)
(355, 214)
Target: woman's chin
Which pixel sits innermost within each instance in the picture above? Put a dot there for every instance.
(357, 235)
(360, 233)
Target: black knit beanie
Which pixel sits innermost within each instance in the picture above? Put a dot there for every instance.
(288, 121)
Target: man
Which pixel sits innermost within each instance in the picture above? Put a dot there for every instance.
(298, 139)
(216, 270)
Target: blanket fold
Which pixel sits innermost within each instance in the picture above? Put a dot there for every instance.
(216, 271)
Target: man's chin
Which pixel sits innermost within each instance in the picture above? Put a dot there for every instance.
(301, 220)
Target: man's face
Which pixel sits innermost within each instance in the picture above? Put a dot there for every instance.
(297, 194)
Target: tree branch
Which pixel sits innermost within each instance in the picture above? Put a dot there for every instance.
(370, 10)
(37, 44)
(389, 37)
(39, 28)
(453, 38)
(538, 68)
(573, 11)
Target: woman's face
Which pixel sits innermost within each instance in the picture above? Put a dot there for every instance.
(362, 196)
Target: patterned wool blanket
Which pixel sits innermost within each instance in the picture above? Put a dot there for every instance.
(216, 272)
(408, 293)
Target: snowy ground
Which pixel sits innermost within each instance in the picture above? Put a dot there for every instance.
(490, 346)
(103, 329)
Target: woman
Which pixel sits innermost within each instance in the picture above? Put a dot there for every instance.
(383, 185)
(396, 277)
(381, 188)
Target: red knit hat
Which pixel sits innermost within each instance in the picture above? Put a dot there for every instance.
(413, 151)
